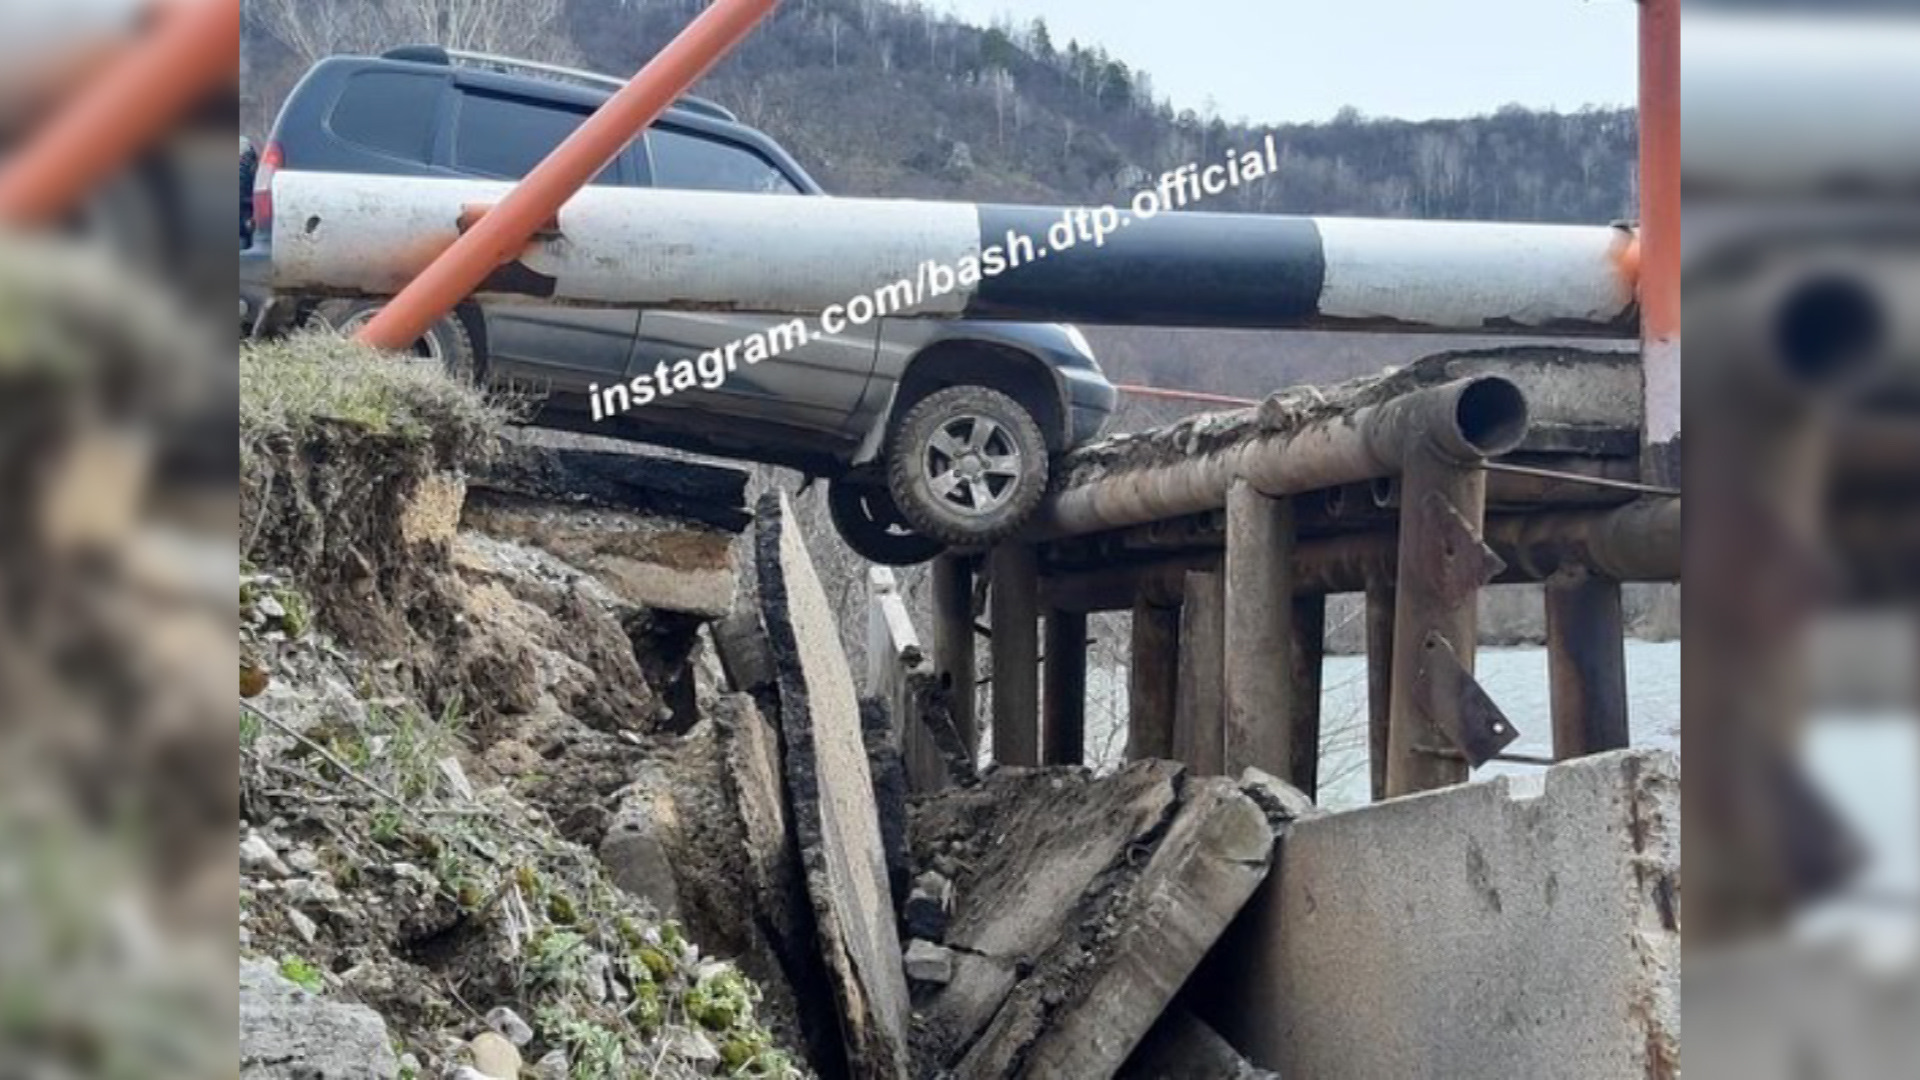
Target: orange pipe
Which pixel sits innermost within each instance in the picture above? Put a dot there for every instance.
(502, 232)
(187, 55)
(1659, 255)
(1183, 395)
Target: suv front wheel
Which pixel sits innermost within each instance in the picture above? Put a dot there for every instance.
(968, 466)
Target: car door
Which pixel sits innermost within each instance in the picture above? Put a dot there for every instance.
(814, 387)
(501, 135)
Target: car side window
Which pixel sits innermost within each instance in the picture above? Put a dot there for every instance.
(503, 136)
(391, 112)
(693, 162)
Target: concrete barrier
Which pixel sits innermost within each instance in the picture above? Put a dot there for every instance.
(1496, 929)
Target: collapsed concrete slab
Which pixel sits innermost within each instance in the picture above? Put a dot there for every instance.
(643, 560)
(1093, 997)
(1083, 906)
(831, 799)
(657, 532)
(1033, 845)
(1495, 929)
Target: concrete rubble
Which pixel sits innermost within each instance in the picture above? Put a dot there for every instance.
(709, 746)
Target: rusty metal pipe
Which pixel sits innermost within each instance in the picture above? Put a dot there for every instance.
(1465, 421)
(1638, 542)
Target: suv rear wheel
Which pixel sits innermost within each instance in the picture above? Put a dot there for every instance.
(866, 518)
(446, 343)
(968, 466)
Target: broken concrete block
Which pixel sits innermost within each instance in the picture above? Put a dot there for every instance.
(930, 906)
(1182, 1047)
(1518, 927)
(832, 801)
(635, 851)
(1091, 999)
(929, 963)
(1052, 844)
(1282, 801)
(643, 560)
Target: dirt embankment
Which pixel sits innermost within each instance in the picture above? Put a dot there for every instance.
(484, 749)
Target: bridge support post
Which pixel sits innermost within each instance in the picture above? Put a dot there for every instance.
(1443, 563)
(1308, 661)
(1199, 734)
(953, 641)
(1382, 600)
(1258, 656)
(1153, 674)
(1586, 664)
(1015, 611)
(1064, 702)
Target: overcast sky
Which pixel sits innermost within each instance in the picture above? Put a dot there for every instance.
(1277, 60)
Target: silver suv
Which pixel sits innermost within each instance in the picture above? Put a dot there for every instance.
(934, 434)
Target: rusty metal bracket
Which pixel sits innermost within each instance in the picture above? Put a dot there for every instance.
(1456, 562)
(1456, 704)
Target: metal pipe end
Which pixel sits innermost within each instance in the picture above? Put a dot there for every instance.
(1490, 418)
(1829, 328)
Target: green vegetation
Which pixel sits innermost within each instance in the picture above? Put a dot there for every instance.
(303, 974)
(288, 384)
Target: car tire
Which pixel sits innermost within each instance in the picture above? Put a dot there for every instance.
(446, 342)
(968, 466)
(865, 517)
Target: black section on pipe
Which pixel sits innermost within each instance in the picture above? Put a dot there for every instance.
(1176, 269)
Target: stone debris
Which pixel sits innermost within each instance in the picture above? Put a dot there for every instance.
(257, 856)
(831, 798)
(553, 1066)
(636, 853)
(508, 1024)
(303, 925)
(287, 1033)
(929, 963)
(495, 1055)
(930, 906)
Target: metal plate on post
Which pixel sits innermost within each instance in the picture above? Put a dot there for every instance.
(1456, 562)
(1455, 704)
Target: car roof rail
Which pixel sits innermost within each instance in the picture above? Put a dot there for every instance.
(509, 65)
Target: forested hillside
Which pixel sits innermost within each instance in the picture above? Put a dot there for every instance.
(880, 97)
(891, 98)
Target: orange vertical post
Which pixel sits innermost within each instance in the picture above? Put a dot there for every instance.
(1659, 255)
(188, 54)
(499, 236)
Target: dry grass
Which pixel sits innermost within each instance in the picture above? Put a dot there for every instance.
(288, 384)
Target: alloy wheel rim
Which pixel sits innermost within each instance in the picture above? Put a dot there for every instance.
(972, 464)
